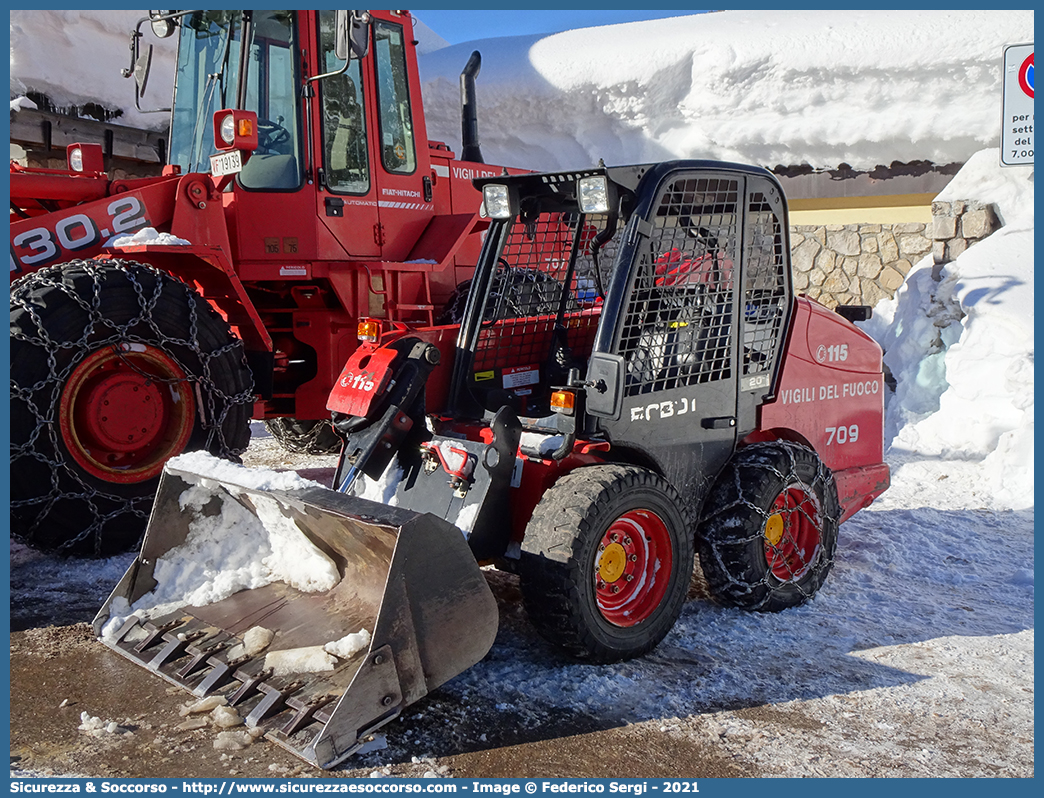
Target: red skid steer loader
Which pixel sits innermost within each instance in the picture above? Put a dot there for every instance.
(632, 380)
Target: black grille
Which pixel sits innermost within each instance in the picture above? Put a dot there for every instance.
(764, 306)
(677, 329)
(540, 320)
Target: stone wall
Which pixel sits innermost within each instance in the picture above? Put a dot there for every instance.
(959, 224)
(861, 264)
(855, 264)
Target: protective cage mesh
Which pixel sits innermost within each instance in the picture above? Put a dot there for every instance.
(519, 350)
(677, 328)
(764, 307)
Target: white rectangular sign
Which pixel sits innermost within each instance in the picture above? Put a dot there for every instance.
(226, 163)
(1017, 121)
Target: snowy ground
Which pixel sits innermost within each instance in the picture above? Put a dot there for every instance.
(916, 659)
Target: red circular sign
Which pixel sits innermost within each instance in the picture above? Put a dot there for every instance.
(1026, 76)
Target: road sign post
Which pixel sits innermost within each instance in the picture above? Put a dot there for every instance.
(1017, 106)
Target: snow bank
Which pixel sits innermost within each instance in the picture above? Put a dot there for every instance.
(767, 87)
(76, 57)
(961, 350)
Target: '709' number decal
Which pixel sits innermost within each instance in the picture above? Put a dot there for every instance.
(842, 435)
(41, 245)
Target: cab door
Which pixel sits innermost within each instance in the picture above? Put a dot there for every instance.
(404, 167)
(346, 200)
(675, 333)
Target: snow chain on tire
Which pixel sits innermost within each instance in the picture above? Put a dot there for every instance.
(63, 314)
(304, 437)
(741, 557)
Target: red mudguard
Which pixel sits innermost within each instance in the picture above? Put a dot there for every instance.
(831, 393)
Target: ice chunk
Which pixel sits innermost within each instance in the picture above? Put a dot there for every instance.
(254, 642)
(203, 705)
(310, 659)
(225, 717)
(233, 740)
(192, 724)
(349, 645)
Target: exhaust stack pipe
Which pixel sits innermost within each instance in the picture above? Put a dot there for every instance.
(470, 150)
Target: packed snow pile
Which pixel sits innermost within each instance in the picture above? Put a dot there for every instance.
(765, 87)
(233, 550)
(76, 57)
(147, 235)
(961, 350)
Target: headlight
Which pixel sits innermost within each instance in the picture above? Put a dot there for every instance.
(593, 194)
(161, 27)
(76, 159)
(498, 201)
(228, 129)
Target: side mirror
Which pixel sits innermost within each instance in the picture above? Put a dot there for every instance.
(605, 377)
(353, 35)
(142, 67)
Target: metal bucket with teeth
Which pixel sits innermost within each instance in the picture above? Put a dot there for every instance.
(403, 588)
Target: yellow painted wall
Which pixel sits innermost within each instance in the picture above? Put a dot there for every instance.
(894, 209)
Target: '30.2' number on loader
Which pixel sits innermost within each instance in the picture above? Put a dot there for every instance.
(42, 245)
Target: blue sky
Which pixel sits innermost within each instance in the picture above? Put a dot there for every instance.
(467, 25)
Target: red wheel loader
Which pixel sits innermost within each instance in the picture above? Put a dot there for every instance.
(301, 193)
(632, 381)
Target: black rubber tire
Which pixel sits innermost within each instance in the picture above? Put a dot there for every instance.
(560, 554)
(740, 563)
(63, 314)
(304, 437)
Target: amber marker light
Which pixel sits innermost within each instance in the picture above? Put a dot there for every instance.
(369, 330)
(563, 402)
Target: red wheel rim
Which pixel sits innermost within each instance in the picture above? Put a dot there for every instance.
(125, 411)
(633, 567)
(792, 534)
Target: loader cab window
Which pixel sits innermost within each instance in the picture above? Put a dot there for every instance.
(272, 83)
(344, 124)
(541, 312)
(209, 50)
(398, 152)
(208, 65)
